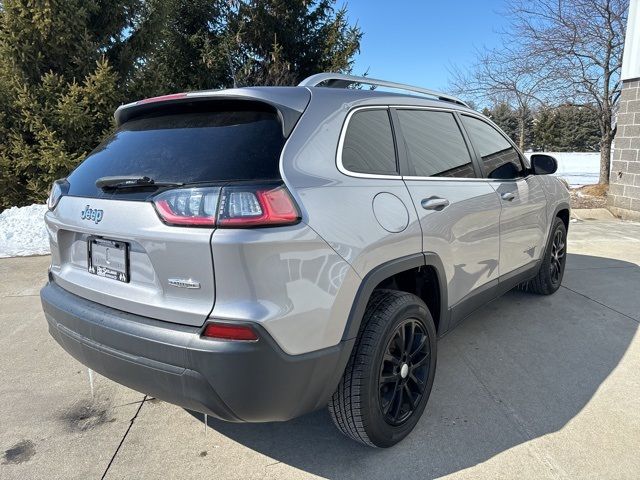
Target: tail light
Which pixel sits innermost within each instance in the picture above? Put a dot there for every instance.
(228, 331)
(192, 207)
(58, 190)
(234, 206)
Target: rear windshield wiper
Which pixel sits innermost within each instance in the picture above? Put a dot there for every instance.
(121, 183)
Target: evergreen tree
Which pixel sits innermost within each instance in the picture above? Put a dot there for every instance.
(567, 128)
(204, 44)
(513, 123)
(188, 52)
(579, 129)
(545, 130)
(55, 124)
(280, 42)
(505, 117)
(66, 66)
(69, 37)
(59, 88)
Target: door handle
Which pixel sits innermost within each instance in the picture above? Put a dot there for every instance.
(508, 196)
(434, 203)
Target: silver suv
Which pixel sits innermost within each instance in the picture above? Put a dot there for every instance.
(258, 253)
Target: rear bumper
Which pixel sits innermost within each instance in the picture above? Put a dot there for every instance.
(234, 381)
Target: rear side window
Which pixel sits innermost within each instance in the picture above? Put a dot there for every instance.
(368, 144)
(204, 146)
(499, 158)
(435, 145)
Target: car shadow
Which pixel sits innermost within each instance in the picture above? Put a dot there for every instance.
(519, 368)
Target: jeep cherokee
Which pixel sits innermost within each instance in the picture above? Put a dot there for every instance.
(258, 253)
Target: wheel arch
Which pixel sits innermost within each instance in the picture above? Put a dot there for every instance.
(563, 212)
(422, 268)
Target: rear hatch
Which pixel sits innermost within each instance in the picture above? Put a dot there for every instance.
(111, 241)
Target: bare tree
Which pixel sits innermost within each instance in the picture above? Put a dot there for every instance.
(581, 42)
(505, 75)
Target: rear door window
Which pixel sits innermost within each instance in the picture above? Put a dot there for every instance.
(435, 145)
(368, 144)
(499, 158)
(203, 146)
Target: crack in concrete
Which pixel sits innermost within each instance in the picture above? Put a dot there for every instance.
(133, 419)
(128, 403)
(595, 268)
(602, 304)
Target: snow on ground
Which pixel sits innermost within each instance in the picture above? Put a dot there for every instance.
(577, 168)
(22, 231)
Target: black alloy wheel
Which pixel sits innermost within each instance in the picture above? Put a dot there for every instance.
(388, 378)
(404, 371)
(558, 251)
(549, 276)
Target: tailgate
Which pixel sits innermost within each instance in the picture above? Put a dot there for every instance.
(186, 145)
(157, 254)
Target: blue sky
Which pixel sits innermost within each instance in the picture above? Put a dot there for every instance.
(413, 41)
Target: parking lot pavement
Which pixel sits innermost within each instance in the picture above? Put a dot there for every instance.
(529, 386)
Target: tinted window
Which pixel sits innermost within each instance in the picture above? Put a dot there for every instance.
(500, 159)
(190, 147)
(435, 144)
(368, 144)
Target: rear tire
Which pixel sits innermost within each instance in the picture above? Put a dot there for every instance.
(388, 379)
(549, 277)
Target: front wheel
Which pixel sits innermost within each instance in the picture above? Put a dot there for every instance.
(389, 376)
(549, 277)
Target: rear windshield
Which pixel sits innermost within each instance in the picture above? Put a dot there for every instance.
(187, 147)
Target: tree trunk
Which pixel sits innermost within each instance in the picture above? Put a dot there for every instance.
(521, 125)
(605, 159)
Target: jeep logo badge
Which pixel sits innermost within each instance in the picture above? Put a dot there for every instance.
(91, 214)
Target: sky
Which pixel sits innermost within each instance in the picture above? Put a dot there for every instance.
(419, 41)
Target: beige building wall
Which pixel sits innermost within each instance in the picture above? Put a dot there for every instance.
(624, 189)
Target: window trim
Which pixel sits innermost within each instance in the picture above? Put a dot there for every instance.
(401, 157)
(343, 134)
(525, 168)
(405, 164)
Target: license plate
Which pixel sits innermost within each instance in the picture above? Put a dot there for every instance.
(109, 258)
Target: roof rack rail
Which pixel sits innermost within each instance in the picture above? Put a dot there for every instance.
(340, 80)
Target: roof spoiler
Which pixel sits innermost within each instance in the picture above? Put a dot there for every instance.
(289, 103)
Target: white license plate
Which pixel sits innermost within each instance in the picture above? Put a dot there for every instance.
(109, 258)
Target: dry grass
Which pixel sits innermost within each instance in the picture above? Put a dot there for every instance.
(598, 190)
(589, 196)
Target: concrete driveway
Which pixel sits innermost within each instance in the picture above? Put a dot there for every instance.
(527, 387)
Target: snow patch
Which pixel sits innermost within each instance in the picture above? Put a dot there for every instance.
(23, 232)
(577, 168)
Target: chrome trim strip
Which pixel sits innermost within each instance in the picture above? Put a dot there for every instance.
(343, 133)
(349, 173)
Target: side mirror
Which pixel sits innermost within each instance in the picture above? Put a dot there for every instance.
(542, 164)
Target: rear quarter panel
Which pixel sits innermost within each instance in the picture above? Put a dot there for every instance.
(286, 278)
(337, 211)
(339, 207)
